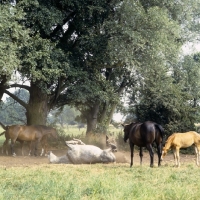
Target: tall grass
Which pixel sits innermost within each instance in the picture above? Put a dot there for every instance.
(112, 181)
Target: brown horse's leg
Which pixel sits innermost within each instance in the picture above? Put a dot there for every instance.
(5, 146)
(36, 146)
(151, 153)
(45, 148)
(30, 147)
(22, 144)
(12, 147)
(44, 145)
(141, 155)
(132, 153)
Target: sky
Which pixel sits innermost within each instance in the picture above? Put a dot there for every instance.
(118, 117)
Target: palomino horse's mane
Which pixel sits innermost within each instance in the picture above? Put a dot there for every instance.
(169, 141)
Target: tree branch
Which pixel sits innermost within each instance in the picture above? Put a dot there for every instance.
(20, 86)
(22, 103)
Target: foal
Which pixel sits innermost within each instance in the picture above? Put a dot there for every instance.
(182, 140)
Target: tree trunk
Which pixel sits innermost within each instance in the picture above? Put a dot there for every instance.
(3, 80)
(110, 115)
(92, 119)
(37, 108)
(103, 113)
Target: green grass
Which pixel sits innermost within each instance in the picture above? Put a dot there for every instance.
(2, 138)
(74, 130)
(113, 182)
(99, 181)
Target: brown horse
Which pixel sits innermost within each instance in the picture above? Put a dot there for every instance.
(144, 135)
(182, 140)
(7, 140)
(34, 133)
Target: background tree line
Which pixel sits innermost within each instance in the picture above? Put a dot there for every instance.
(90, 55)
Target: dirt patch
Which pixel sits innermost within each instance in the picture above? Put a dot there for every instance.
(121, 157)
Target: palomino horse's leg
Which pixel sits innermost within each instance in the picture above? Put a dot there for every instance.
(141, 155)
(132, 153)
(151, 153)
(197, 150)
(176, 157)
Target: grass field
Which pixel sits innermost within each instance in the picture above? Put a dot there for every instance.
(111, 181)
(99, 181)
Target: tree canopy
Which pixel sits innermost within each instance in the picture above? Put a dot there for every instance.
(90, 54)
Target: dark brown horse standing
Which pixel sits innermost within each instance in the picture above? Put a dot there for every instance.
(144, 135)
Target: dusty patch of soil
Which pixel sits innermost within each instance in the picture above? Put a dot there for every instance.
(121, 157)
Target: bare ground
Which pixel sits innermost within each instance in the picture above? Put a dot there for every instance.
(121, 157)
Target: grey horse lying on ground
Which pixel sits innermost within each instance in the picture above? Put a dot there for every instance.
(83, 154)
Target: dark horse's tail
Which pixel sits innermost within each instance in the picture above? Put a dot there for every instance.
(161, 131)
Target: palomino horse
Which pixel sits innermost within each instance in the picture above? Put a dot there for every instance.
(21, 133)
(182, 140)
(144, 135)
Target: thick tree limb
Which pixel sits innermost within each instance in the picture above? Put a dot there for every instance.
(26, 87)
(22, 103)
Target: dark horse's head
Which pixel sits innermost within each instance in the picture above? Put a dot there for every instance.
(127, 128)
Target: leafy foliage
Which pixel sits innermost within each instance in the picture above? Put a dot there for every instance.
(13, 37)
(89, 54)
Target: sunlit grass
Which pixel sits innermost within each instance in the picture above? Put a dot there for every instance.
(99, 181)
(75, 131)
(2, 138)
(112, 181)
